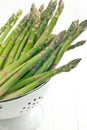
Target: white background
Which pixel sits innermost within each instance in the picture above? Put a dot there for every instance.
(65, 105)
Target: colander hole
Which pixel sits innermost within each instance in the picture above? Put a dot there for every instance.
(24, 107)
(21, 111)
(35, 99)
(33, 103)
(28, 108)
(29, 103)
(39, 97)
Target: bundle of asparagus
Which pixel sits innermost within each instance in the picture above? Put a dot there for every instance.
(31, 52)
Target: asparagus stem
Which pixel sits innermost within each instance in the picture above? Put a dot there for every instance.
(43, 64)
(11, 35)
(24, 82)
(73, 32)
(9, 75)
(34, 69)
(22, 25)
(11, 40)
(48, 63)
(32, 35)
(46, 76)
(20, 40)
(9, 26)
(51, 25)
(30, 64)
(41, 40)
(80, 43)
(2, 29)
(26, 57)
(41, 9)
(45, 17)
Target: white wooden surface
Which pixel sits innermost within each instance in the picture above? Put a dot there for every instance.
(65, 105)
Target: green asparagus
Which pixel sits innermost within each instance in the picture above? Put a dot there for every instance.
(46, 76)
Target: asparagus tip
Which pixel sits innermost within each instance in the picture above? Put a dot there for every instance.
(83, 23)
(74, 63)
(61, 4)
(19, 12)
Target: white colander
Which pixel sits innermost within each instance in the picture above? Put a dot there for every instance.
(18, 106)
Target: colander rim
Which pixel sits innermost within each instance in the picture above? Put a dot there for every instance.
(18, 97)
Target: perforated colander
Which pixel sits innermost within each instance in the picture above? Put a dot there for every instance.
(18, 106)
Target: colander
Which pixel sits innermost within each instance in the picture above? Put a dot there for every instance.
(18, 106)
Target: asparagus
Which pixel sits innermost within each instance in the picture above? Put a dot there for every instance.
(48, 30)
(32, 35)
(13, 36)
(50, 26)
(82, 27)
(10, 25)
(46, 76)
(41, 8)
(46, 16)
(19, 52)
(41, 63)
(32, 72)
(34, 21)
(60, 35)
(26, 57)
(49, 62)
(73, 32)
(35, 68)
(23, 82)
(13, 54)
(20, 40)
(7, 30)
(30, 64)
(9, 75)
(2, 29)
(48, 13)
(9, 46)
(80, 43)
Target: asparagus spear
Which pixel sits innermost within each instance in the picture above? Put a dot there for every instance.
(60, 35)
(30, 64)
(9, 75)
(23, 82)
(82, 27)
(21, 40)
(43, 64)
(80, 43)
(7, 30)
(9, 26)
(73, 32)
(36, 67)
(41, 40)
(48, 63)
(15, 32)
(33, 19)
(46, 76)
(45, 17)
(48, 13)
(32, 35)
(24, 58)
(9, 46)
(30, 18)
(50, 26)
(2, 29)
(41, 8)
